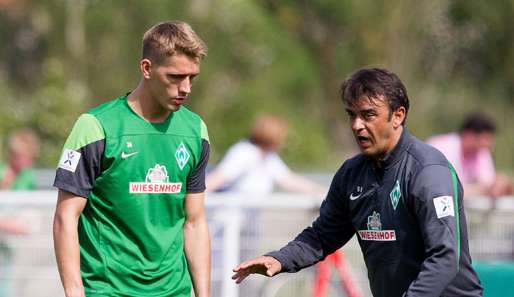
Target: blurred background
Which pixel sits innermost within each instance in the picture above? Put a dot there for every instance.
(58, 58)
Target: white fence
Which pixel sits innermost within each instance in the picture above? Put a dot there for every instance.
(241, 227)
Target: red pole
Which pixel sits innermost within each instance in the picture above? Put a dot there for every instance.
(322, 278)
(344, 275)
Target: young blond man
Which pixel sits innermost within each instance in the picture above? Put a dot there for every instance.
(130, 217)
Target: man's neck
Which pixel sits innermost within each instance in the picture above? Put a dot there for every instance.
(142, 104)
(395, 139)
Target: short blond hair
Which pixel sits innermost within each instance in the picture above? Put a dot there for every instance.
(269, 132)
(166, 39)
(24, 141)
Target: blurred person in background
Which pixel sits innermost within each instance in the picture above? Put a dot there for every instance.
(253, 165)
(9, 226)
(130, 217)
(16, 174)
(399, 195)
(469, 151)
(22, 152)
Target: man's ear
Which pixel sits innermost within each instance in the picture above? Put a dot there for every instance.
(146, 66)
(398, 116)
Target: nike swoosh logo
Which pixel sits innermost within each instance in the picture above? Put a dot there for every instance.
(352, 197)
(124, 156)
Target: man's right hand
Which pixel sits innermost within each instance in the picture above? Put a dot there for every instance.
(264, 265)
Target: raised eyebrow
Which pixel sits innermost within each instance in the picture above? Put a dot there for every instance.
(369, 110)
(362, 111)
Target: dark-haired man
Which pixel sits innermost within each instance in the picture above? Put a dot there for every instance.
(469, 151)
(400, 196)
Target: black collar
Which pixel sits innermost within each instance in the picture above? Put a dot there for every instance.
(393, 156)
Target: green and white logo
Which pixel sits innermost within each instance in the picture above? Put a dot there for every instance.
(181, 155)
(158, 174)
(395, 195)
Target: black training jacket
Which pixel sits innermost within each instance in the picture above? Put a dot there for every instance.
(410, 222)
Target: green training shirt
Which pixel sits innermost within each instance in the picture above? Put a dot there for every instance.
(24, 180)
(135, 175)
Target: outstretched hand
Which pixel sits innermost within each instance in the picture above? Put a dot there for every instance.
(264, 265)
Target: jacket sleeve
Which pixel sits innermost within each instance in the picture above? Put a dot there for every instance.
(435, 194)
(331, 230)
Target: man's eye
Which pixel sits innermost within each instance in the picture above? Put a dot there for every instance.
(176, 76)
(369, 116)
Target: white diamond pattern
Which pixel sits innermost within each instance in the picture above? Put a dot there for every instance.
(182, 155)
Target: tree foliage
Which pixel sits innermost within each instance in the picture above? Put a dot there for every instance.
(58, 58)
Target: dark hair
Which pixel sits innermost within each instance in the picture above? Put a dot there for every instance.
(478, 122)
(374, 83)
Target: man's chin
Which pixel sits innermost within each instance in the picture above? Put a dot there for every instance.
(173, 108)
(368, 151)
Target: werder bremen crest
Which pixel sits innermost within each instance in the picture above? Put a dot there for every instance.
(182, 155)
(374, 222)
(395, 195)
(158, 174)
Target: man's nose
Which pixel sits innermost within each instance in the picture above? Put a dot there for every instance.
(357, 124)
(185, 85)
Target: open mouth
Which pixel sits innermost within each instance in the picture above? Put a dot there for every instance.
(363, 141)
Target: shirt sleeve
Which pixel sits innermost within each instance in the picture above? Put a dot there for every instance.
(80, 162)
(236, 162)
(196, 180)
(437, 204)
(331, 230)
(278, 167)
